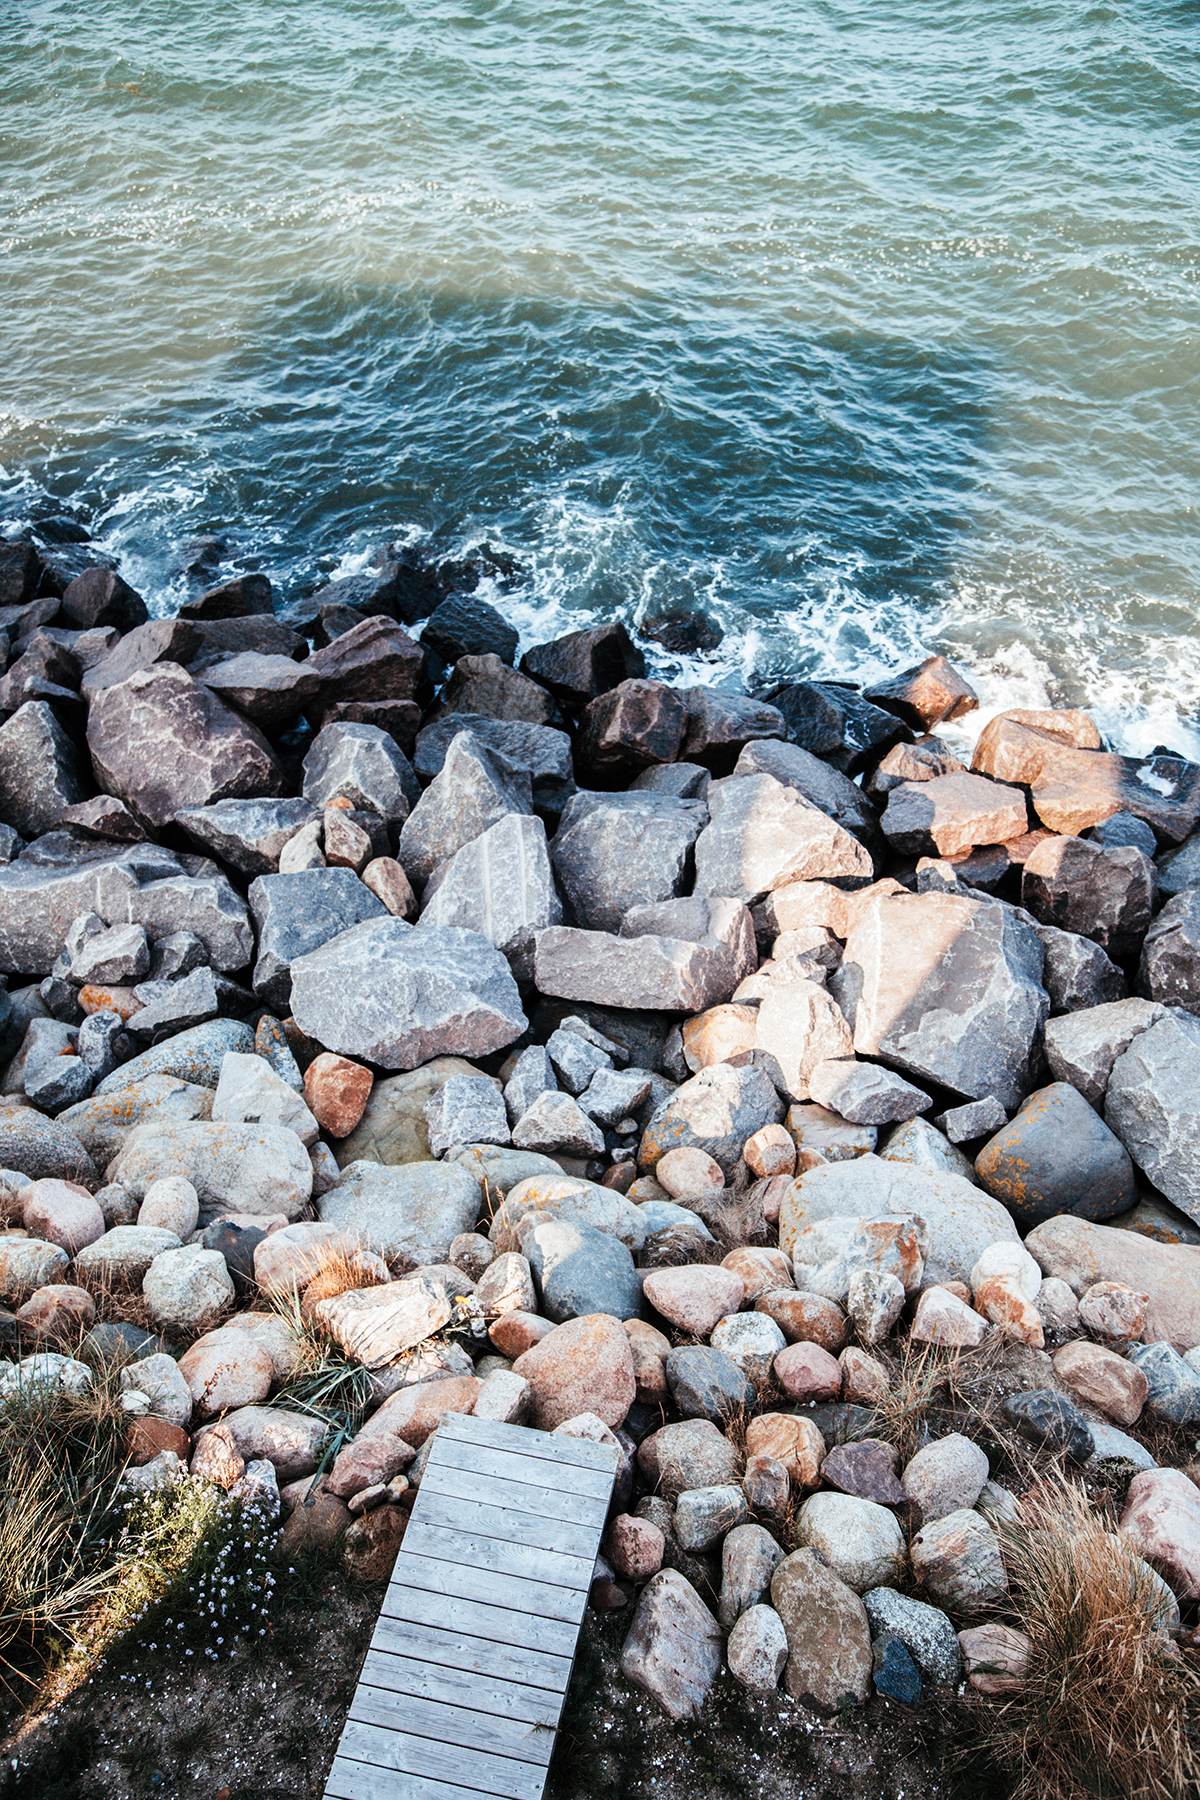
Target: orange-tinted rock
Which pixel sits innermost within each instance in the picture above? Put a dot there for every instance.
(805, 1318)
(314, 1523)
(390, 885)
(864, 1380)
(1000, 1300)
(1114, 1311)
(347, 845)
(718, 1035)
(370, 1545)
(225, 1369)
(517, 1332)
(694, 1296)
(57, 1313)
(122, 1000)
(583, 1366)
(216, 1458)
(1015, 745)
(650, 1352)
(148, 1437)
(792, 1440)
(771, 1152)
(1102, 1379)
(375, 1456)
(760, 1269)
(942, 1318)
(414, 1413)
(337, 1091)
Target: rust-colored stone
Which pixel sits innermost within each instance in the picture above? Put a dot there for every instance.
(337, 1091)
(148, 1437)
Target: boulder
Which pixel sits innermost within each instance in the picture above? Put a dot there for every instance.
(925, 1632)
(1105, 895)
(269, 690)
(763, 835)
(249, 1092)
(1102, 1379)
(675, 956)
(705, 1384)
(539, 1197)
(1152, 1103)
(691, 1454)
(40, 770)
(1082, 1046)
(1050, 1421)
(289, 1441)
(860, 1541)
(629, 728)
(1170, 961)
(926, 695)
(828, 1638)
(498, 885)
(1056, 1156)
(161, 743)
(407, 1213)
(673, 1650)
(1173, 1385)
(950, 814)
(1162, 1517)
(62, 1213)
(248, 835)
(956, 1559)
(295, 915)
(815, 781)
(396, 996)
(694, 1297)
(800, 1027)
(716, 1111)
(27, 1264)
(375, 1325)
(1077, 972)
(43, 1149)
(186, 1290)
(946, 1476)
(1082, 1254)
(580, 1271)
(863, 1093)
(224, 1369)
(393, 1127)
(122, 1257)
(475, 789)
(614, 852)
(234, 1168)
(585, 1365)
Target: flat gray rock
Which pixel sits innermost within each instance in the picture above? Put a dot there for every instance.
(269, 690)
(499, 885)
(408, 1213)
(295, 914)
(247, 834)
(396, 996)
(475, 790)
(1081, 1047)
(555, 1123)
(467, 1109)
(677, 956)
(193, 1056)
(539, 749)
(204, 904)
(612, 855)
(865, 1094)
(945, 989)
(363, 763)
(37, 906)
(40, 770)
(1153, 1105)
(234, 1168)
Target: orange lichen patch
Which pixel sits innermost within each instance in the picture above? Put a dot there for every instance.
(120, 1000)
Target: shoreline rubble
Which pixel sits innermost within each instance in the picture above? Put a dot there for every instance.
(658, 1063)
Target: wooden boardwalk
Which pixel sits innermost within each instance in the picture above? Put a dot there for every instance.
(464, 1682)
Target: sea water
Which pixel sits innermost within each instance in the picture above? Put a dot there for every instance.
(869, 328)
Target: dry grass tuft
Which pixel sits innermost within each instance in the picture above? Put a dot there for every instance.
(1110, 1711)
(339, 1270)
(116, 1303)
(923, 1378)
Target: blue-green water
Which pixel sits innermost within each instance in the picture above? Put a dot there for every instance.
(868, 328)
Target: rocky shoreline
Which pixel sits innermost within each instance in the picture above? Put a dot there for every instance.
(650, 1063)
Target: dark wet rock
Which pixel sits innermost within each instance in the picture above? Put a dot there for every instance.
(237, 1244)
(682, 633)
(930, 694)
(105, 818)
(1077, 973)
(247, 834)
(1174, 1386)
(1052, 1422)
(269, 690)
(484, 686)
(1106, 895)
(162, 742)
(377, 660)
(40, 770)
(836, 723)
(945, 989)
(720, 724)
(580, 1270)
(634, 725)
(235, 599)
(1057, 1156)
(20, 572)
(676, 956)
(466, 626)
(295, 914)
(613, 853)
(396, 996)
(1123, 832)
(584, 664)
(100, 597)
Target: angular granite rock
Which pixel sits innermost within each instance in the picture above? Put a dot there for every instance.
(677, 956)
(408, 1213)
(716, 1111)
(246, 834)
(296, 914)
(499, 885)
(475, 790)
(1153, 1105)
(612, 853)
(363, 764)
(40, 770)
(763, 835)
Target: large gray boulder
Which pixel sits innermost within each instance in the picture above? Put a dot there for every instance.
(408, 1213)
(247, 834)
(1057, 1156)
(365, 765)
(580, 1270)
(37, 906)
(295, 914)
(234, 1168)
(269, 690)
(1107, 895)
(815, 781)
(43, 1149)
(397, 996)
(1077, 973)
(40, 770)
(963, 1221)
(829, 1639)
(499, 885)
(1169, 970)
(1081, 1254)
(538, 748)
(613, 852)
(1153, 1105)
(673, 1650)
(205, 905)
(763, 835)
(102, 1124)
(162, 742)
(945, 989)
(676, 956)
(716, 1111)
(1081, 1047)
(475, 790)
(194, 1057)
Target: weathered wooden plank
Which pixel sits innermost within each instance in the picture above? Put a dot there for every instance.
(538, 1598)
(481, 1519)
(446, 1722)
(487, 1461)
(523, 1442)
(473, 1614)
(500, 1776)
(459, 1687)
(476, 1551)
(489, 1657)
(362, 1781)
(446, 1478)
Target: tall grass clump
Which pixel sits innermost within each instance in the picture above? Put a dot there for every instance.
(1109, 1710)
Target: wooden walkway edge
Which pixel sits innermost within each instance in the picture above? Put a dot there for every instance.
(464, 1683)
